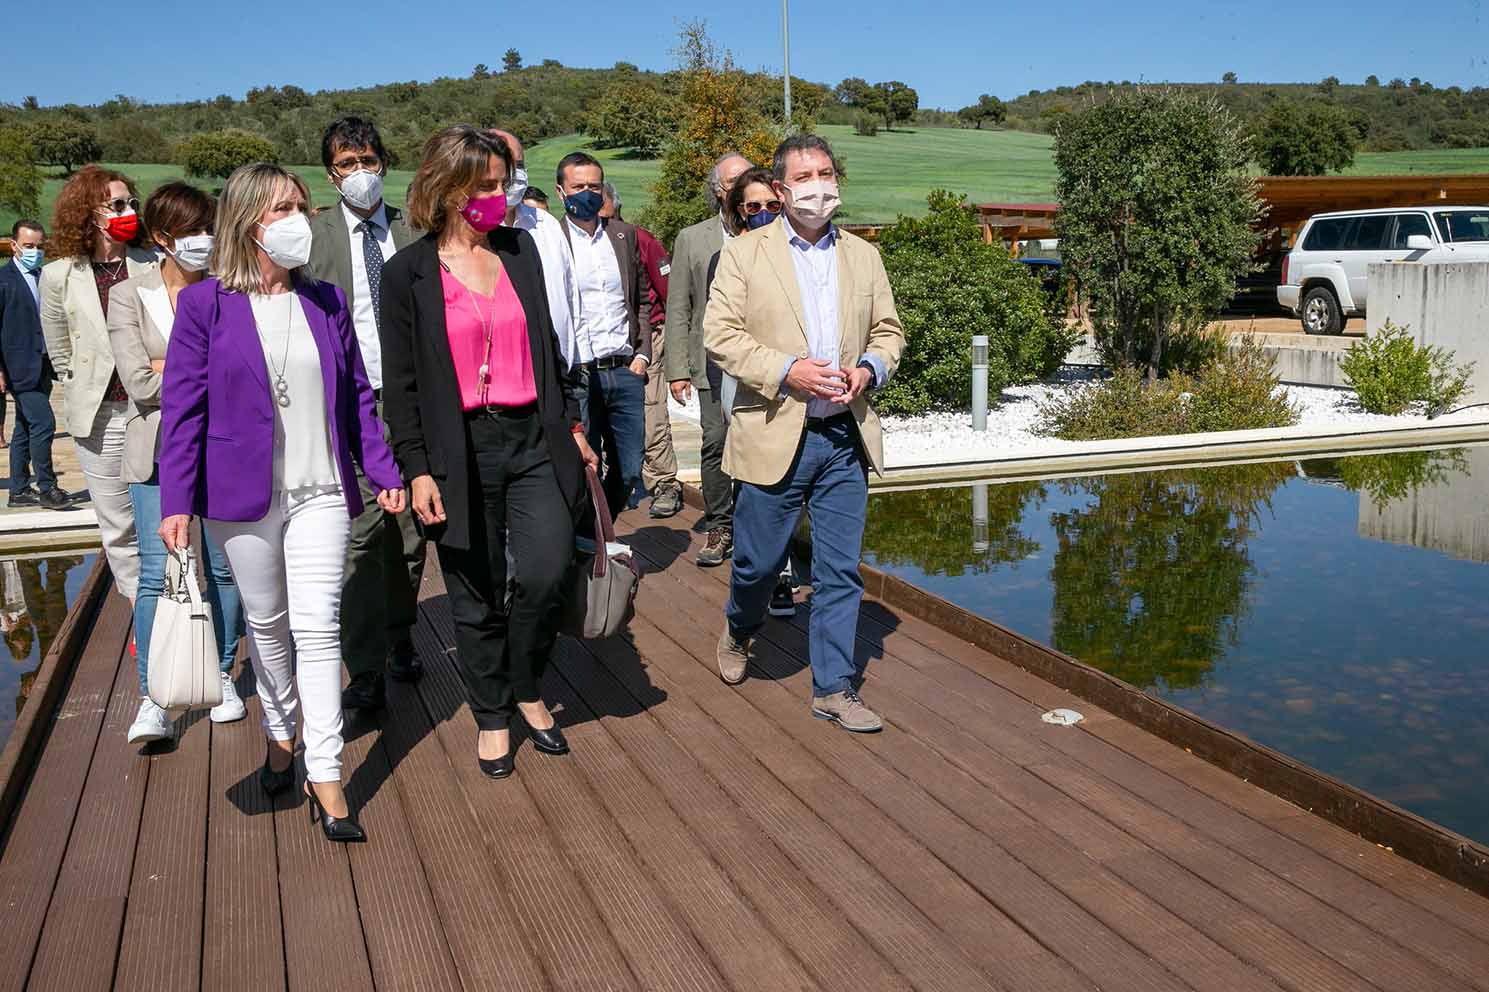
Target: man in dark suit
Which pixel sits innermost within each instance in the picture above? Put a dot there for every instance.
(385, 557)
(613, 329)
(26, 373)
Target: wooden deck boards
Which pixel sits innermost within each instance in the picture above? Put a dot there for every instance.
(703, 837)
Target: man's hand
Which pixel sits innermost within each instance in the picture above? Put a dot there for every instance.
(682, 389)
(591, 460)
(816, 379)
(858, 380)
(429, 506)
(158, 365)
(2, 382)
(175, 531)
(391, 500)
(638, 366)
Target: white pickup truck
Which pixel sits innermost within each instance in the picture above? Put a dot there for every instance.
(1324, 276)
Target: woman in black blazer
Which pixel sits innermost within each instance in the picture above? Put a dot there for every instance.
(479, 403)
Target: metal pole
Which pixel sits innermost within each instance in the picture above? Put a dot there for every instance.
(786, 39)
(979, 517)
(979, 382)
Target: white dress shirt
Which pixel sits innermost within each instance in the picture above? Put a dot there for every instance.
(558, 276)
(603, 328)
(363, 318)
(31, 279)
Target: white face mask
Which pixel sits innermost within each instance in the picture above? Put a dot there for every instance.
(517, 185)
(362, 189)
(287, 241)
(815, 201)
(193, 252)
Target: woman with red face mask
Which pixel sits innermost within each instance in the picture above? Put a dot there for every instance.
(96, 242)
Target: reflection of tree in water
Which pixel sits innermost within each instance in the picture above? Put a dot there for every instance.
(931, 529)
(1150, 580)
(35, 605)
(1391, 477)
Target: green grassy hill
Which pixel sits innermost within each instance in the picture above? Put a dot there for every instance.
(888, 174)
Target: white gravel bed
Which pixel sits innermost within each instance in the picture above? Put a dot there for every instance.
(948, 437)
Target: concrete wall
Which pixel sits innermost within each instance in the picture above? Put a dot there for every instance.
(1444, 304)
(1451, 516)
(1304, 359)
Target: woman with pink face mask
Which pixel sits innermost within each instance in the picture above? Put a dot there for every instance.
(480, 404)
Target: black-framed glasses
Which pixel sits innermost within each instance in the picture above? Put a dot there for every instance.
(753, 207)
(119, 204)
(345, 165)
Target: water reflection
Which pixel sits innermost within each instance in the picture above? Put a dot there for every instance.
(35, 593)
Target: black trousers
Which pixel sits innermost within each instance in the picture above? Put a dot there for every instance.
(31, 439)
(502, 654)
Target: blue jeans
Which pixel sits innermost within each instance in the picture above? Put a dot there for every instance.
(31, 439)
(830, 479)
(222, 591)
(614, 412)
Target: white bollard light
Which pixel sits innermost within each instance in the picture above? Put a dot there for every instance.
(979, 517)
(979, 382)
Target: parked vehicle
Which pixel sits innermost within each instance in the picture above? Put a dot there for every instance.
(1324, 277)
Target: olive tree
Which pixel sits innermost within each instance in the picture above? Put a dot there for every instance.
(1158, 216)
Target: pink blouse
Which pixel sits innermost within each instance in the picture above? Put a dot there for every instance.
(467, 315)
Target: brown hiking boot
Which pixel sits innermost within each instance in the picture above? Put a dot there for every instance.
(847, 711)
(734, 656)
(720, 546)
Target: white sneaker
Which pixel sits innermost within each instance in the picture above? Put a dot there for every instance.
(151, 723)
(231, 707)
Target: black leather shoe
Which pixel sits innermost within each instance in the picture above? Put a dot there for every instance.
(496, 767)
(81, 496)
(550, 741)
(56, 499)
(343, 830)
(274, 782)
(26, 497)
(365, 692)
(404, 664)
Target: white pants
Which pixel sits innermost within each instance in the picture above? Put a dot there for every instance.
(289, 570)
(101, 457)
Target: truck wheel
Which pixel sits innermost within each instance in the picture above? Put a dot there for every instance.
(1321, 313)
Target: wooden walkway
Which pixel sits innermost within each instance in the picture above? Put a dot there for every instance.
(704, 837)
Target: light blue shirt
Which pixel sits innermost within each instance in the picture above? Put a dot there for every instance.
(31, 279)
(817, 279)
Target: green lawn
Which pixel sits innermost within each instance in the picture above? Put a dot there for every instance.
(888, 174)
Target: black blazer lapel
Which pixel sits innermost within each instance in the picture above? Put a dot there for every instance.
(429, 304)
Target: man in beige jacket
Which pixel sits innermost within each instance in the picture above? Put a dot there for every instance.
(801, 314)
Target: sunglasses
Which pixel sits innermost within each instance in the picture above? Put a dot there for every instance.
(121, 204)
(753, 207)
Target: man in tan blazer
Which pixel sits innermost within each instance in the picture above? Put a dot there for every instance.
(801, 314)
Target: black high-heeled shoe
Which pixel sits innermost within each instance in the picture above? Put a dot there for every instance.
(550, 741)
(274, 782)
(496, 767)
(340, 829)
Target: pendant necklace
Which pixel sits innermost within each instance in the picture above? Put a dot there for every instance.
(281, 387)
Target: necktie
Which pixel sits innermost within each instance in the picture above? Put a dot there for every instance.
(372, 257)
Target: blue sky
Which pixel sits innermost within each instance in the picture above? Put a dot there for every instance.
(159, 50)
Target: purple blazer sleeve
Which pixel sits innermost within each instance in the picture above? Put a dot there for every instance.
(183, 408)
(365, 436)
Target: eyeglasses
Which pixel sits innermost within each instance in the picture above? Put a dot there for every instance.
(120, 204)
(345, 165)
(753, 207)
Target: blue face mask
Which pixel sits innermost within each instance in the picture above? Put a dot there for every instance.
(31, 258)
(760, 220)
(584, 205)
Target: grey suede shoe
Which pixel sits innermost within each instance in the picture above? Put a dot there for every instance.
(668, 500)
(734, 657)
(847, 711)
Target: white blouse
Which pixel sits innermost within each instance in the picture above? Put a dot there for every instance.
(303, 461)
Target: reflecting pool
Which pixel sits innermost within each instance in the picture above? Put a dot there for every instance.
(1336, 610)
(36, 591)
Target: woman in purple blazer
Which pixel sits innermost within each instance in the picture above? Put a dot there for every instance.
(265, 412)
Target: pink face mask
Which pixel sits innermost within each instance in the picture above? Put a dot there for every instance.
(485, 213)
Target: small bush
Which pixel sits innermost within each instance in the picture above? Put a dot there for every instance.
(1190, 349)
(1389, 371)
(1237, 391)
(865, 125)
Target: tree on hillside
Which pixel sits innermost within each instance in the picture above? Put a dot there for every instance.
(30, 103)
(480, 71)
(63, 141)
(899, 102)
(1229, 79)
(1328, 85)
(1372, 80)
(714, 117)
(1156, 216)
(1305, 139)
(987, 110)
(636, 115)
(20, 180)
(126, 141)
(218, 153)
(512, 60)
(855, 92)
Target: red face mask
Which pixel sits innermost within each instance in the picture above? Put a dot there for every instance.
(123, 229)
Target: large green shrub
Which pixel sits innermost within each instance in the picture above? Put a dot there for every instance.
(949, 285)
(1390, 371)
(218, 153)
(1239, 391)
(20, 180)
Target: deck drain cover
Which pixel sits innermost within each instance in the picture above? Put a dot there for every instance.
(1062, 717)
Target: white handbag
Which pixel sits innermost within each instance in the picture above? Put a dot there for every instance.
(184, 665)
